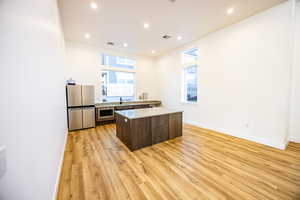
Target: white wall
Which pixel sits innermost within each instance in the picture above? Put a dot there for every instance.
(33, 118)
(244, 73)
(295, 111)
(83, 64)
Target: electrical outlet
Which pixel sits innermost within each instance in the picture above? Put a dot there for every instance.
(2, 161)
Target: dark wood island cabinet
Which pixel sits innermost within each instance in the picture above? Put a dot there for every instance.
(145, 127)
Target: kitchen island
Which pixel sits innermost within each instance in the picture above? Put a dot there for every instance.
(144, 127)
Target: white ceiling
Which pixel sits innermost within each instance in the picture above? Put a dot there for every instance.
(122, 21)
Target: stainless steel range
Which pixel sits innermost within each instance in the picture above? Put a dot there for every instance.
(81, 106)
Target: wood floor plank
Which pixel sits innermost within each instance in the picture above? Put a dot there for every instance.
(202, 164)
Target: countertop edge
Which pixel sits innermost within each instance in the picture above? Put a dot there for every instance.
(154, 115)
(116, 104)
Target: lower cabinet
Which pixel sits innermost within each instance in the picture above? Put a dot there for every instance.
(160, 128)
(175, 125)
(141, 132)
(123, 127)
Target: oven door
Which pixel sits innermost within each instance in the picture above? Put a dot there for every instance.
(105, 114)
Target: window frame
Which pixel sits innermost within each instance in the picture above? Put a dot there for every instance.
(118, 69)
(118, 61)
(183, 80)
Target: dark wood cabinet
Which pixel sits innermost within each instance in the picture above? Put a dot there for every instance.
(175, 125)
(141, 132)
(160, 128)
(122, 128)
(140, 129)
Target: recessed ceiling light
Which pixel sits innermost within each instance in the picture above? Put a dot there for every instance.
(146, 25)
(230, 11)
(179, 37)
(87, 36)
(152, 51)
(125, 44)
(94, 5)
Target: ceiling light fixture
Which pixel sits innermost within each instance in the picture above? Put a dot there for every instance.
(125, 44)
(87, 36)
(152, 51)
(94, 5)
(166, 37)
(146, 25)
(110, 43)
(230, 11)
(179, 37)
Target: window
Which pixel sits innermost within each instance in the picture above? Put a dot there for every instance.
(189, 61)
(116, 61)
(117, 79)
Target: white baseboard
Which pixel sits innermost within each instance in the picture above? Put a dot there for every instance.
(297, 140)
(60, 167)
(263, 141)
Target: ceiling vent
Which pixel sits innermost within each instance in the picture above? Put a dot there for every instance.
(172, 1)
(166, 37)
(110, 43)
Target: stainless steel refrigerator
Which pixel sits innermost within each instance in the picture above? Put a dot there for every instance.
(81, 106)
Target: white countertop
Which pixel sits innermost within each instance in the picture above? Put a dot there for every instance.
(146, 112)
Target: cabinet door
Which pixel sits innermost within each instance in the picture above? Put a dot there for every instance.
(88, 117)
(123, 130)
(175, 125)
(75, 118)
(160, 128)
(141, 133)
(74, 95)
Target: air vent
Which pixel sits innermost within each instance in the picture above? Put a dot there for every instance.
(166, 37)
(110, 43)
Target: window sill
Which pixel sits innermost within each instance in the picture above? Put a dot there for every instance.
(189, 103)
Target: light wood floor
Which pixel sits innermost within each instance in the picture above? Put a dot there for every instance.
(199, 165)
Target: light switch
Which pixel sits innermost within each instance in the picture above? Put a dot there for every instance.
(2, 161)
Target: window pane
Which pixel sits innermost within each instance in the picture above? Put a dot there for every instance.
(190, 84)
(116, 61)
(117, 84)
(190, 56)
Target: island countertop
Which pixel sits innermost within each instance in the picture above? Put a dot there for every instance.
(147, 112)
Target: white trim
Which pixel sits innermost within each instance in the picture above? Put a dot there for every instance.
(119, 69)
(297, 140)
(191, 64)
(280, 146)
(118, 57)
(189, 102)
(55, 193)
(291, 92)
